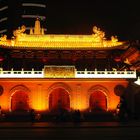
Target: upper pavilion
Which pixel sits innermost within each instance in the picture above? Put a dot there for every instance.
(36, 39)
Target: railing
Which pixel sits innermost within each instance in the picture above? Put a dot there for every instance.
(78, 74)
(21, 74)
(105, 74)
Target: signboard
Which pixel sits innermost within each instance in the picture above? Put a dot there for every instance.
(59, 71)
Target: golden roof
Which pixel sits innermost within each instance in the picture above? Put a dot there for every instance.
(38, 40)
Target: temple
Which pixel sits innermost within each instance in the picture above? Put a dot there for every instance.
(48, 72)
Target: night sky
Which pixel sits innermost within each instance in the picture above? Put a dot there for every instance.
(121, 18)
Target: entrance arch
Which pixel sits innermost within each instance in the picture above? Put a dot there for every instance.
(98, 99)
(59, 100)
(19, 99)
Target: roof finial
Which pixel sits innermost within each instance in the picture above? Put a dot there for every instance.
(37, 28)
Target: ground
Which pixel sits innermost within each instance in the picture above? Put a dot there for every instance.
(69, 130)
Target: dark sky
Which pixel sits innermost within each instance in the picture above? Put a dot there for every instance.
(121, 18)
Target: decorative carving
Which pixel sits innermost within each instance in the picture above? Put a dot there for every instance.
(19, 31)
(31, 31)
(59, 72)
(114, 39)
(127, 61)
(37, 39)
(3, 38)
(98, 34)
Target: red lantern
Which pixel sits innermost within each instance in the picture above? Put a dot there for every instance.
(74, 59)
(1, 58)
(117, 59)
(44, 60)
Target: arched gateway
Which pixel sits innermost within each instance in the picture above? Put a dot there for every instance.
(98, 99)
(59, 98)
(19, 99)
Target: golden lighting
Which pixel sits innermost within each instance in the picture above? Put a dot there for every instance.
(38, 106)
(59, 71)
(79, 103)
(80, 106)
(38, 100)
(113, 103)
(37, 39)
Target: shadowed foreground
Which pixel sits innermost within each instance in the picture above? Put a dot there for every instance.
(70, 131)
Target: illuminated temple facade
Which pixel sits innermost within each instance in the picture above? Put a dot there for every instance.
(46, 72)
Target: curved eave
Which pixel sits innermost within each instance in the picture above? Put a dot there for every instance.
(67, 46)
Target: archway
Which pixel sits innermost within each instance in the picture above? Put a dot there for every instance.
(98, 101)
(20, 101)
(59, 100)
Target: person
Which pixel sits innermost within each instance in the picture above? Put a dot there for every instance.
(2, 115)
(77, 116)
(32, 115)
(123, 113)
(0, 111)
(38, 117)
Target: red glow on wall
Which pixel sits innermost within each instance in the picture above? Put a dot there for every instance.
(98, 101)
(20, 101)
(1, 58)
(59, 99)
(44, 60)
(117, 59)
